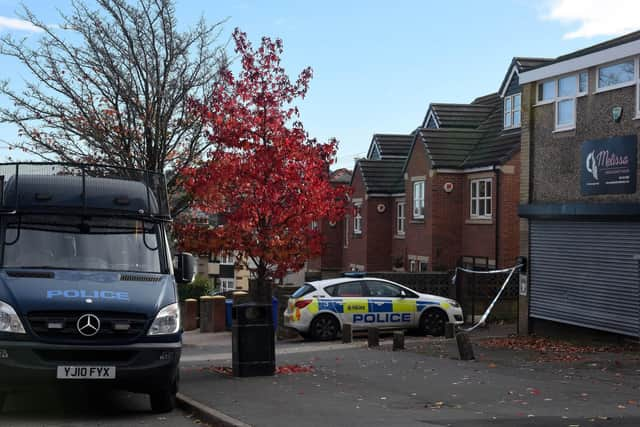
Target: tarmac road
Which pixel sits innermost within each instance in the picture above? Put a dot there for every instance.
(81, 407)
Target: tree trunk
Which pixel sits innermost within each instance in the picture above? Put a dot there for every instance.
(260, 288)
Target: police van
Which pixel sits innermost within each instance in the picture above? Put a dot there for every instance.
(87, 284)
(318, 309)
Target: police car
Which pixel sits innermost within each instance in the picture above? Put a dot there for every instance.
(318, 309)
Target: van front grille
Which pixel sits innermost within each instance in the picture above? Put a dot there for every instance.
(62, 326)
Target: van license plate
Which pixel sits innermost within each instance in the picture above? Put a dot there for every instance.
(86, 372)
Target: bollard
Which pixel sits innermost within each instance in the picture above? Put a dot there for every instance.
(347, 333)
(449, 330)
(464, 346)
(190, 314)
(373, 337)
(219, 313)
(398, 340)
(206, 314)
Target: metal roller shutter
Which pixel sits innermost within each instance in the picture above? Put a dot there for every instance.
(584, 273)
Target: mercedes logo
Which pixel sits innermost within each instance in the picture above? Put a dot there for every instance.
(88, 325)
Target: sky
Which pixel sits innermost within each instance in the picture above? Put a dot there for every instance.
(378, 64)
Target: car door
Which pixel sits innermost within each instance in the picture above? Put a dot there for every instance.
(354, 305)
(391, 304)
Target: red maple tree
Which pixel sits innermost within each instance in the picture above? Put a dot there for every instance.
(265, 176)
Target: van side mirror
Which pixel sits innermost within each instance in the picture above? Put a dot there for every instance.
(185, 270)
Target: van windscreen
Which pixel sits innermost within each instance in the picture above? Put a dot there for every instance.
(68, 242)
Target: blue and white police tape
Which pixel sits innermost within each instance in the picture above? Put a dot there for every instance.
(511, 270)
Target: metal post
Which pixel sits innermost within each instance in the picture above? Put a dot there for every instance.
(373, 337)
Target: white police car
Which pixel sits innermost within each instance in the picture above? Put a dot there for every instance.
(318, 309)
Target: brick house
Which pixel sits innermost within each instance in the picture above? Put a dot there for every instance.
(457, 198)
(580, 226)
(369, 239)
(329, 263)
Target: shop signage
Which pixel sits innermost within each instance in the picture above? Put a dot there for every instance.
(609, 165)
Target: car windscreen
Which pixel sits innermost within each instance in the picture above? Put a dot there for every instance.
(79, 243)
(303, 290)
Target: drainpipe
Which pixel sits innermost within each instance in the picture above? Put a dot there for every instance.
(497, 174)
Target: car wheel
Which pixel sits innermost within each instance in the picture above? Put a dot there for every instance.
(324, 328)
(433, 322)
(163, 401)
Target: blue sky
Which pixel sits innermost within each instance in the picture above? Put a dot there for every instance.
(378, 64)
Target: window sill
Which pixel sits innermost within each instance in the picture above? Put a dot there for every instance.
(399, 236)
(540, 103)
(479, 221)
(569, 129)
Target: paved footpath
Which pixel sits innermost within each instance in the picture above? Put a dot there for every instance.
(424, 385)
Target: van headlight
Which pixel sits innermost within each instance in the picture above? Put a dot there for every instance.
(9, 320)
(167, 321)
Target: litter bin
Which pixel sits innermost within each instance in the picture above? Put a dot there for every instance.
(253, 340)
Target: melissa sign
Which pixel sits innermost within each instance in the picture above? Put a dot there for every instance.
(609, 165)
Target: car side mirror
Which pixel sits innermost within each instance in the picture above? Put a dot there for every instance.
(185, 270)
(403, 294)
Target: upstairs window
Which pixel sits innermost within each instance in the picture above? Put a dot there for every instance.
(481, 198)
(400, 218)
(546, 91)
(512, 111)
(357, 219)
(566, 102)
(418, 199)
(616, 75)
(563, 93)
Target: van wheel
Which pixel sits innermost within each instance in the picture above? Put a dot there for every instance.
(324, 328)
(163, 401)
(433, 322)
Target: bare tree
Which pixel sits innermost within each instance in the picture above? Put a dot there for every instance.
(112, 85)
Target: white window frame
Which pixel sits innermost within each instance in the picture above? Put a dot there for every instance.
(227, 259)
(512, 111)
(478, 199)
(619, 85)
(558, 99)
(586, 91)
(418, 202)
(637, 87)
(555, 91)
(400, 218)
(357, 218)
(227, 284)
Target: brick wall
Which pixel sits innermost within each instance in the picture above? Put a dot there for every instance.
(356, 250)
(418, 237)
(332, 236)
(446, 210)
(509, 227)
(378, 233)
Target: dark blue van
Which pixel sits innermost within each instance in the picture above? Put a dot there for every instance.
(87, 283)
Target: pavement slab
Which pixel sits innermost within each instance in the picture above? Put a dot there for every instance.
(424, 385)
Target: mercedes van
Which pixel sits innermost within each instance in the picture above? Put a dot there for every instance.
(87, 284)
